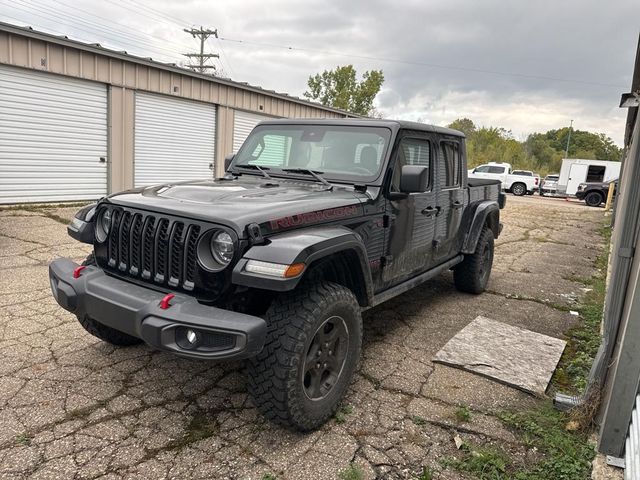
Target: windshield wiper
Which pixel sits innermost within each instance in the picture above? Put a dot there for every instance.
(251, 166)
(308, 171)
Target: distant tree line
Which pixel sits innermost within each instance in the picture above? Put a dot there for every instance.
(540, 152)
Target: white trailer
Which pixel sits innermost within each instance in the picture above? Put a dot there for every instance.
(575, 171)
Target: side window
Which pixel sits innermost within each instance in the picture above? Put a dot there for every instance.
(411, 151)
(496, 169)
(451, 153)
(482, 169)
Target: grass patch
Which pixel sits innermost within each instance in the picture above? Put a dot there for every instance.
(269, 476)
(352, 472)
(343, 411)
(583, 340)
(463, 414)
(564, 455)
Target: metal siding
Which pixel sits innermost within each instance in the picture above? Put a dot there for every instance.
(632, 449)
(242, 125)
(53, 131)
(174, 139)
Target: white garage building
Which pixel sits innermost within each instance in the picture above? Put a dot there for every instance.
(78, 121)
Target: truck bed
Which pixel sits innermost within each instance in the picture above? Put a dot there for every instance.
(483, 189)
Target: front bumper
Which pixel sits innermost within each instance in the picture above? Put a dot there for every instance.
(135, 310)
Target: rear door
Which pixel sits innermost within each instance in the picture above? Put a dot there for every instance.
(412, 220)
(451, 201)
(577, 175)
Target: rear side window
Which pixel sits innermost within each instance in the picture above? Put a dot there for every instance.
(411, 151)
(493, 169)
(451, 154)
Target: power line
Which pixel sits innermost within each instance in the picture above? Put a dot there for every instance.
(203, 34)
(422, 64)
(91, 27)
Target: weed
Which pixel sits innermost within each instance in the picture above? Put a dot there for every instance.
(23, 439)
(199, 428)
(417, 420)
(343, 411)
(463, 414)
(352, 472)
(268, 476)
(426, 474)
(483, 462)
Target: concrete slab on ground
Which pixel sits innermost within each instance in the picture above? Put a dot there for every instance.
(512, 355)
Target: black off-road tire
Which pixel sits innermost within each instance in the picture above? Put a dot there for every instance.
(519, 189)
(594, 199)
(276, 377)
(104, 333)
(472, 274)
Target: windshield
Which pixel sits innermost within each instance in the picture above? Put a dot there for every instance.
(337, 152)
(552, 178)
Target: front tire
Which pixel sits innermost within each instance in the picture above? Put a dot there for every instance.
(519, 189)
(313, 345)
(104, 333)
(594, 199)
(472, 274)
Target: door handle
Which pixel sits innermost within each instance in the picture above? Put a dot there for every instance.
(430, 211)
(457, 204)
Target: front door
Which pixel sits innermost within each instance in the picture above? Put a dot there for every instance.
(451, 201)
(412, 220)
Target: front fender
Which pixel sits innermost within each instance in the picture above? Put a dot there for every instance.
(485, 212)
(81, 227)
(302, 246)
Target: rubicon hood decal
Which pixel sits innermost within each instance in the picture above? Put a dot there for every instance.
(313, 217)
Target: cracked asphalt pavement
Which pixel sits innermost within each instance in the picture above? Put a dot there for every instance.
(74, 407)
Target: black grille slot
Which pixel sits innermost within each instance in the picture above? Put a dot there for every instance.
(191, 244)
(155, 249)
(135, 242)
(123, 243)
(162, 249)
(176, 249)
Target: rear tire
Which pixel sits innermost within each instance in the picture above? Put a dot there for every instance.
(519, 189)
(594, 199)
(313, 345)
(472, 274)
(104, 333)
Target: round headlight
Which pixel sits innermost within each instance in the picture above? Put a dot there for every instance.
(222, 247)
(103, 225)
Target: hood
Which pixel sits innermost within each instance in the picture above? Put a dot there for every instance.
(276, 204)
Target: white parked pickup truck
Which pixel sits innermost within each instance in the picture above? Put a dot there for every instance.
(519, 182)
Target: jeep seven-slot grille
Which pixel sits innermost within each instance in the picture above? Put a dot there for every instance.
(153, 248)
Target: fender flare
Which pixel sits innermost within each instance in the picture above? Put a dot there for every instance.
(306, 246)
(485, 212)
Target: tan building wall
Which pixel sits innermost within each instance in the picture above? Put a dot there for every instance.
(124, 74)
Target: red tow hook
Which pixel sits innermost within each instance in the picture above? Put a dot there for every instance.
(78, 270)
(164, 303)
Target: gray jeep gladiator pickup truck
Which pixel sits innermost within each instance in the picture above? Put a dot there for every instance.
(314, 222)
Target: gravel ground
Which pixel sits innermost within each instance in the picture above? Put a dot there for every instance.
(73, 407)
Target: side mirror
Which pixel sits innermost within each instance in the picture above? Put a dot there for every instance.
(414, 179)
(227, 161)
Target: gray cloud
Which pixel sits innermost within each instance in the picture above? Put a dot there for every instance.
(449, 48)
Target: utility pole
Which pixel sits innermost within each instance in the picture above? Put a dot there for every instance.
(201, 57)
(566, 151)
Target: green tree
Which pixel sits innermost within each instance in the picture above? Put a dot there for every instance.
(340, 88)
(464, 125)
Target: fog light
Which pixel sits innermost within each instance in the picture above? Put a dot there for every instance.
(192, 337)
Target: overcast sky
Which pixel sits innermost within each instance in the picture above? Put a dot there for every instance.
(523, 65)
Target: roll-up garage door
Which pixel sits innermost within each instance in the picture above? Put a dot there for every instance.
(243, 123)
(175, 139)
(53, 137)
